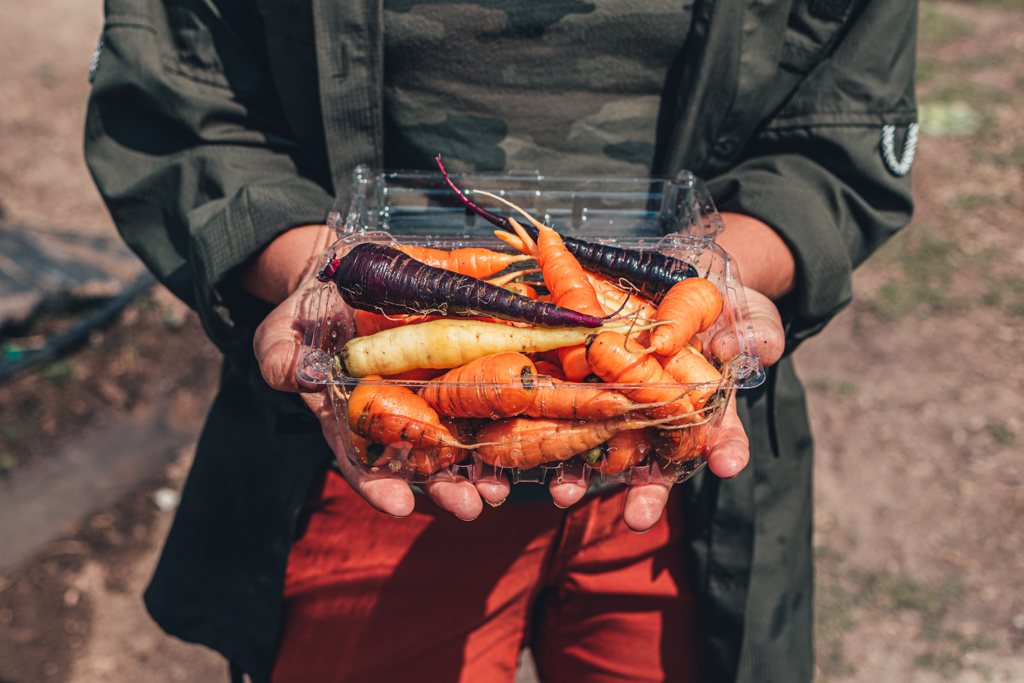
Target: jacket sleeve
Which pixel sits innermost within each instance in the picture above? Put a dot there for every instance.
(187, 145)
(816, 172)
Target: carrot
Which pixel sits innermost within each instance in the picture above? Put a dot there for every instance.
(568, 284)
(525, 442)
(648, 272)
(615, 299)
(366, 451)
(588, 402)
(691, 306)
(500, 384)
(473, 261)
(549, 369)
(368, 322)
(447, 344)
(690, 367)
(522, 289)
(388, 414)
(680, 445)
(416, 375)
(507, 278)
(620, 452)
(380, 278)
(618, 359)
(430, 460)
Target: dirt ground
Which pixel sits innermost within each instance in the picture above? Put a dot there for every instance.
(916, 391)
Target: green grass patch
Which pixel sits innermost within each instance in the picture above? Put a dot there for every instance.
(925, 266)
(976, 94)
(833, 386)
(1003, 435)
(973, 201)
(58, 372)
(925, 70)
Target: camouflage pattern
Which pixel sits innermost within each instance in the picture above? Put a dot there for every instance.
(474, 82)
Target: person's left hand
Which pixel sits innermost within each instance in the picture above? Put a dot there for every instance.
(731, 452)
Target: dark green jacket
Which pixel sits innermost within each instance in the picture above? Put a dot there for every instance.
(214, 125)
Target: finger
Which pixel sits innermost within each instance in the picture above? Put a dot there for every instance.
(389, 495)
(458, 497)
(769, 334)
(277, 343)
(493, 493)
(644, 506)
(731, 451)
(566, 493)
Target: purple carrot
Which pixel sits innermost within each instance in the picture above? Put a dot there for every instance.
(376, 277)
(650, 273)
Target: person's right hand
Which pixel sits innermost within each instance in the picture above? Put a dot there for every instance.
(278, 349)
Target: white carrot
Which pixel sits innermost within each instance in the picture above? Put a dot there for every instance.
(448, 344)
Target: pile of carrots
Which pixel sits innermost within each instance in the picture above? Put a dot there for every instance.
(522, 396)
(518, 394)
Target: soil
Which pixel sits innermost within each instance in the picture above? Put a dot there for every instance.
(916, 391)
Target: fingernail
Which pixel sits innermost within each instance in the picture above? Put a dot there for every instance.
(494, 505)
(561, 507)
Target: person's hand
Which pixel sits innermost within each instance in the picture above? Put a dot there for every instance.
(731, 451)
(278, 347)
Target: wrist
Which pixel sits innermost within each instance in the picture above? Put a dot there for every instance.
(764, 259)
(283, 264)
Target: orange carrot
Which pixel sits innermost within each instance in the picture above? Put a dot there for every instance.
(549, 369)
(473, 261)
(522, 288)
(368, 322)
(365, 450)
(615, 299)
(622, 451)
(679, 445)
(525, 442)
(430, 460)
(689, 367)
(691, 306)
(591, 402)
(388, 414)
(569, 286)
(498, 385)
(416, 375)
(617, 359)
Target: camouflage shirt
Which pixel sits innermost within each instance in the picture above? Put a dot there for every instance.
(473, 81)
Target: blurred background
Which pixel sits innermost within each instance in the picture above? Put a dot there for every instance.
(916, 391)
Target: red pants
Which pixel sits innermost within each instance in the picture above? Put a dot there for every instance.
(431, 598)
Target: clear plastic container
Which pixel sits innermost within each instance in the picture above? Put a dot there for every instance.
(672, 216)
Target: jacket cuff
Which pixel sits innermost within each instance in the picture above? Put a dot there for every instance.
(226, 235)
